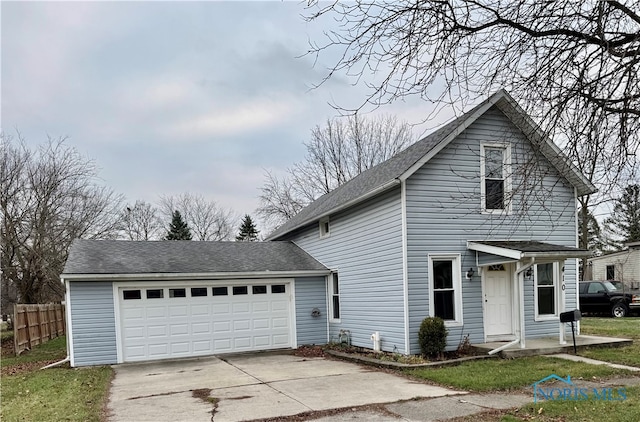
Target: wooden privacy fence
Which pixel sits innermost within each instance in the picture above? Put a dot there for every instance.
(36, 324)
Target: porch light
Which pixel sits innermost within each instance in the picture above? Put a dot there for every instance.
(470, 273)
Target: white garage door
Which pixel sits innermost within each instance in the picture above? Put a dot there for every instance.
(180, 321)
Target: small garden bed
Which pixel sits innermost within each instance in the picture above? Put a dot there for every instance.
(387, 359)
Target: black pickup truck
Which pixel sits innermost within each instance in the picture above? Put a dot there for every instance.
(604, 297)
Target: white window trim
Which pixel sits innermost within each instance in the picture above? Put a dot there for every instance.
(457, 287)
(556, 293)
(321, 228)
(331, 294)
(506, 167)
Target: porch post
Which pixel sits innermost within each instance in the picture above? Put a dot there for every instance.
(562, 305)
(520, 276)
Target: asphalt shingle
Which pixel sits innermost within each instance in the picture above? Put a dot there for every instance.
(172, 256)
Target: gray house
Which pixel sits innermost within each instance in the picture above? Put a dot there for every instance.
(476, 223)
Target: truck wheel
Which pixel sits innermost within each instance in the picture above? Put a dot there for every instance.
(619, 310)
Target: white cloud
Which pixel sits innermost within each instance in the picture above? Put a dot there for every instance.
(237, 119)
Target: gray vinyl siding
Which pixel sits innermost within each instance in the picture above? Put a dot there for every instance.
(311, 293)
(444, 212)
(365, 247)
(93, 323)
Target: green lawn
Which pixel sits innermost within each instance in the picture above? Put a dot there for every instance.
(510, 374)
(611, 327)
(568, 411)
(585, 411)
(55, 394)
(614, 327)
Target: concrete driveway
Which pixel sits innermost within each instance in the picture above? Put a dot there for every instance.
(253, 386)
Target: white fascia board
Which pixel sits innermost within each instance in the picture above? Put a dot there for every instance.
(555, 256)
(442, 144)
(609, 255)
(494, 250)
(194, 276)
(549, 149)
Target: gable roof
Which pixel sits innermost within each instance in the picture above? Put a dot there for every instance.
(389, 173)
(186, 257)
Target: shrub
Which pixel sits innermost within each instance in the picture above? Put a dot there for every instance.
(432, 337)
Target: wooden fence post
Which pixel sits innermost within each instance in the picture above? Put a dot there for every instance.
(15, 329)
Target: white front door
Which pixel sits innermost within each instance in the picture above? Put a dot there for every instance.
(498, 297)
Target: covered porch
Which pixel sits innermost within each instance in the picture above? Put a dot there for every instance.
(524, 288)
(549, 346)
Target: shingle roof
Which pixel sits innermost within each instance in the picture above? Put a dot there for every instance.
(139, 257)
(529, 246)
(382, 176)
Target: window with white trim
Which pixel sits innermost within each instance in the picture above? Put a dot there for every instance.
(546, 280)
(495, 171)
(325, 227)
(611, 272)
(445, 288)
(334, 294)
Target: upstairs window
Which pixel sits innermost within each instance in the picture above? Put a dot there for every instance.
(494, 171)
(325, 228)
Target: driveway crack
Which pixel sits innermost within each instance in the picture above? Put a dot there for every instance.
(268, 385)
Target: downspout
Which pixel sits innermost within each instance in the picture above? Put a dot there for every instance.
(520, 292)
(66, 304)
(506, 346)
(51, 365)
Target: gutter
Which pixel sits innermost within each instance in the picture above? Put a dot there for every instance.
(192, 276)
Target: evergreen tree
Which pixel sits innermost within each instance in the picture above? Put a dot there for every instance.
(248, 231)
(589, 231)
(178, 229)
(624, 222)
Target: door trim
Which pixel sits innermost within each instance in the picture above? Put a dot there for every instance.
(509, 269)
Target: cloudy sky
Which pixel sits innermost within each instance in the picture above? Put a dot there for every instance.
(170, 97)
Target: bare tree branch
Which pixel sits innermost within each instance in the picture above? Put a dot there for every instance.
(337, 152)
(49, 197)
(557, 58)
(205, 218)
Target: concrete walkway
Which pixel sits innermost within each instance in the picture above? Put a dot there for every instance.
(443, 408)
(576, 358)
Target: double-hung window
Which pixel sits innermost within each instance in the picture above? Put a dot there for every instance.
(334, 292)
(611, 272)
(495, 171)
(546, 276)
(445, 288)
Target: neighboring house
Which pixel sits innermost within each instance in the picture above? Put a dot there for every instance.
(622, 266)
(476, 223)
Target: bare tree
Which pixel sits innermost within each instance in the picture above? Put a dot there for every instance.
(556, 58)
(141, 221)
(49, 197)
(336, 153)
(205, 218)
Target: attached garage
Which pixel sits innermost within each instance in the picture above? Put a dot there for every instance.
(139, 301)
